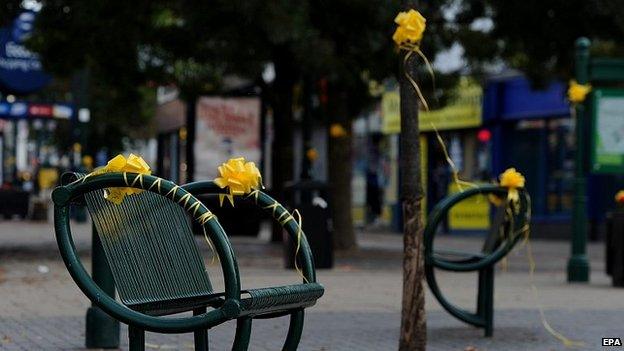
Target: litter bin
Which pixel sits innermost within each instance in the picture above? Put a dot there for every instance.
(310, 198)
(14, 202)
(614, 245)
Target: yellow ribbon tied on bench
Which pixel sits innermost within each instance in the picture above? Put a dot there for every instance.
(132, 164)
(239, 176)
(512, 180)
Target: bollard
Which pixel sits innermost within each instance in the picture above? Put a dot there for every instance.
(102, 329)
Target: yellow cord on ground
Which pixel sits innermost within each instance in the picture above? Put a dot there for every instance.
(567, 342)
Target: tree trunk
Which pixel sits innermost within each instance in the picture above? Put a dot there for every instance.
(283, 159)
(413, 322)
(340, 171)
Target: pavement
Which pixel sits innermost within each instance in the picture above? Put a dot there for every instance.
(42, 309)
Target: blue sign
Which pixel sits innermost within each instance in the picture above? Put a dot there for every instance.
(18, 109)
(20, 69)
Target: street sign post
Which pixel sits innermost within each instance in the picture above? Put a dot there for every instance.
(606, 147)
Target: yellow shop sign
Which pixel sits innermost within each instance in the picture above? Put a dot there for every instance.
(472, 213)
(462, 111)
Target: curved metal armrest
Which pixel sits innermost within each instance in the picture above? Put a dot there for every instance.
(62, 197)
(439, 212)
(276, 210)
(457, 256)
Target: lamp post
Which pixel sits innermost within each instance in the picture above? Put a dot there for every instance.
(578, 265)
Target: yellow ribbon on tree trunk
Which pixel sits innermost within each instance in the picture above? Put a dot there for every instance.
(407, 36)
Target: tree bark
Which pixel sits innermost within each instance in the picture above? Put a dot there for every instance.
(413, 320)
(340, 169)
(283, 159)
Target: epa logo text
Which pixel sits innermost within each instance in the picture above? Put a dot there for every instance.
(611, 342)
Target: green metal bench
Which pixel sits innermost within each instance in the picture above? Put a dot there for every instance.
(158, 269)
(500, 240)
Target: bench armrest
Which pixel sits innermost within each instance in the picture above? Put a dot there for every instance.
(273, 208)
(439, 213)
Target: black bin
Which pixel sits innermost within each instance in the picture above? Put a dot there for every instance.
(614, 245)
(14, 202)
(310, 198)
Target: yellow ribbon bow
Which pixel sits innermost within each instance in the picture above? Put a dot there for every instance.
(577, 92)
(239, 176)
(133, 164)
(411, 28)
(407, 36)
(512, 180)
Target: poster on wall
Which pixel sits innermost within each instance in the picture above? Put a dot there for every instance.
(225, 128)
(607, 149)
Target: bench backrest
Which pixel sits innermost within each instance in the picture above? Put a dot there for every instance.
(150, 247)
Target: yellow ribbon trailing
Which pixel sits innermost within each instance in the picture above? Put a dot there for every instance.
(132, 164)
(240, 177)
(407, 36)
(578, 92)
(567, 342)
(514, 180)
(449, 161)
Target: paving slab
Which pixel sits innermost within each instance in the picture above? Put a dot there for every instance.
(42, 309)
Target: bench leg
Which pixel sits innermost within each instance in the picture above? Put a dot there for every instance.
(136, 339)
(201, 336)
(294, 331)
(243, 334)
(485, 299)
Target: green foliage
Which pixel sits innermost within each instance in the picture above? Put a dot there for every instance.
(193, 44)
(538, 36)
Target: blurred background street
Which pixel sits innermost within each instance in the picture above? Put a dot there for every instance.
(363, 115)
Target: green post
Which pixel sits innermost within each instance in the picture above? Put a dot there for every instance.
(102, 329)
(578, 265)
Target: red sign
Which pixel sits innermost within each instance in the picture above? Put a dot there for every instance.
(40, 110)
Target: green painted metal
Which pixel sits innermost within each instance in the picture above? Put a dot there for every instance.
(201, 336)
(153, 255)
(277, 211)
(578, 264)
(294, 331)
(136, 338)
(495, 249)
(243, 334)
(141, 308)
(604, 69)
(102, 331)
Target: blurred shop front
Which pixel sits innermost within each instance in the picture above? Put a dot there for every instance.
(377, 158)
(225, 127)
(32, 155)
(170, 116)
(533, 132)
